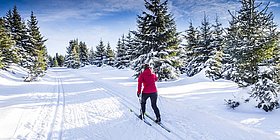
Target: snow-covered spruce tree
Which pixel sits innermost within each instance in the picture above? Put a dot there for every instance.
(251, 43)
(17, 28)
(50, 61)
(157, 41)
(55, 63)
(38, 50)
(191, 39)
(130, 45)
(60, 59)
(83, 54)
(13, 56)
(7, 55)
(122, 60)
(201, 52)
(68, 56)
(214, 66)
(228, 66)
(110, 55)
(91, 56)
(72, 59)
(28, 60)
(266, 90)
(214, 63)
(30, 57)
(100, 54)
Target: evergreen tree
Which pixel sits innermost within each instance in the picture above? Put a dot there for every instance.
(100, 54)
(55, 63)
(76, 59)
(228, 65)
(18, 30)
(157, 41)
(38, 49)
(50, 61)
(7, 54)
(252, 43)
(8, 21)
(72, 59)
(246, 37)
(214, 66)
(202, 51)
(91, 56)
(83, 54)
(214, 63)
(131, 49)
(110, 55)
(122, 57)
(60, 60)
(266, 90)
(191, 38)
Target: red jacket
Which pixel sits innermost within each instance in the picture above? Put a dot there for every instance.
(148, 79)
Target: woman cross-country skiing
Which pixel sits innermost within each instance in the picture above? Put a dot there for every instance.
(148, 79)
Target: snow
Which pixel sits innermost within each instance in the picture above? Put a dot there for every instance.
(94, 103)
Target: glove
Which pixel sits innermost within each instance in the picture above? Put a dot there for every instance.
(138, 94)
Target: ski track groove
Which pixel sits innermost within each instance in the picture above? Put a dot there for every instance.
(18, 124)
(39, 124)
(63, 111)
(114, 93)
(56, 109)
(59, 112)
(82, 114)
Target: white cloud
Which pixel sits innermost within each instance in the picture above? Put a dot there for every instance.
(85, 9)
(194, 9)
(78, 18)
(130, 5)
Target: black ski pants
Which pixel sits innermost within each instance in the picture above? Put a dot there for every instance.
(153, 97)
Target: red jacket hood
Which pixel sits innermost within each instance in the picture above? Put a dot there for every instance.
(147, 72)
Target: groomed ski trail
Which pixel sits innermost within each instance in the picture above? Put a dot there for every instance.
(90, 104)
(56, 127)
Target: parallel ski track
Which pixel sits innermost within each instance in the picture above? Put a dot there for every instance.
(129, 105)
(87, 133)
(59, 112)
(35, 126)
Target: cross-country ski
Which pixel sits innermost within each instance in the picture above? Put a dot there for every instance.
(159, 123)
(137, 116)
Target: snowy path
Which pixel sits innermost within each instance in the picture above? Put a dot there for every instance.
(94, 103)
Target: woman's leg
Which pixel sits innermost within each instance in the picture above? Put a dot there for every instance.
(143, 103)
(154, 104)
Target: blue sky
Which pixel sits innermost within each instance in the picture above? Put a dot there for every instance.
(92, 20)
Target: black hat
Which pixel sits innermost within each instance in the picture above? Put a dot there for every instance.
(146, 66)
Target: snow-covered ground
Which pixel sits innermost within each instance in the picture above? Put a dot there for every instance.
(94, 104)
